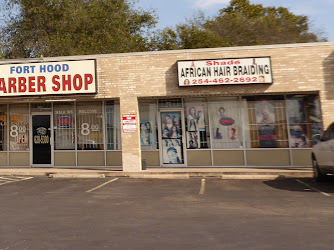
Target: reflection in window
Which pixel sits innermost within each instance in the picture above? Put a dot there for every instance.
(148, 124)
(304, 119)
(113, 125)
(19, 127)
(64, 126)
(267, 122)
(3, 127)
(89, 126)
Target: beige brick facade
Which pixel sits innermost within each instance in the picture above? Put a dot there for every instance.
(297, 68)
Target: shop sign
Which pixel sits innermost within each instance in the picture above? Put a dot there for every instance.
(64, 121)
(225, 71)
(49, 78)
(129, 123)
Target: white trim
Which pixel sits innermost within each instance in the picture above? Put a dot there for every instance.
(104, 129)
(75, 134)
(8, 142)
(210, 130)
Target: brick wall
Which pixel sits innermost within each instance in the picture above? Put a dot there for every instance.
(296, 68)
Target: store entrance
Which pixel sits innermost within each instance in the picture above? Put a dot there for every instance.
(41, 140)
(171, 138)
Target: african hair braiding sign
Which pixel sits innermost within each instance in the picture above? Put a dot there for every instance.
(225, 71)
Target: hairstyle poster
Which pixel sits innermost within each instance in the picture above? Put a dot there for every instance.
(265, 119)
(195, 118)
(172, 151)
(170, 125)
(223, 119)
(146, 134)
(193, 140)
(296, 110)
(218, 133)
(233, 135)
(298, 136)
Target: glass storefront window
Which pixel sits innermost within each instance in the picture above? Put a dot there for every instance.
(267, 126)
(305, 124)
(113, 125)
(89, 126)
(19, 127)
(148, 124)
(315, 118)
(3, 127)
(64, 126)
(197, 123)
(226, 122)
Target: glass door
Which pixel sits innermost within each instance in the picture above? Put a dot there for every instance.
(172, 138)
(41, 140)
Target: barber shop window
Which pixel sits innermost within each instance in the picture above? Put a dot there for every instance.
(267, 123)
(305, 123)
(148, 124)
(89, 126)
(3, 127)
(19, 127)
(64, 126)
(113, 125)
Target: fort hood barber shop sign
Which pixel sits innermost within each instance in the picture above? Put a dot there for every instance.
(225, 71)
(48, 78)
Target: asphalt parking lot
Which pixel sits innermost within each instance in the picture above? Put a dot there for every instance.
(124, 213)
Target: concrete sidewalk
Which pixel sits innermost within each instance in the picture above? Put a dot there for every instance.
(165, 173)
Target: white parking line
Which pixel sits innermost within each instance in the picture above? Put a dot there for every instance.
(13, 179)
(90, 190)
(313, 188)
(201, 191)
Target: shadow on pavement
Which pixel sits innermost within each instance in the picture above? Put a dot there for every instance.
(292, 184)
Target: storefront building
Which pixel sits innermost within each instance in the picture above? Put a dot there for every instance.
(262, 106)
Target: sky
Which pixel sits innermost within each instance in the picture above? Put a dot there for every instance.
(173, 12)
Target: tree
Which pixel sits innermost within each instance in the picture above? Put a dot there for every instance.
(191, 35)
(73, 27)
(241, 24)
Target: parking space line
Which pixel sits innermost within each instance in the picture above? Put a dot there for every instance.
(313, 188)
(201, 191)
(103, 184)
(10, 180)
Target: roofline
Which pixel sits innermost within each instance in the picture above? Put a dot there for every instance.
(165, 52)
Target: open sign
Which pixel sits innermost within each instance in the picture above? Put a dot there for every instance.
(64, 122)
(226, 121)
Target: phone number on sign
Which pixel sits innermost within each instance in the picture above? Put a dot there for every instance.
(225, 80)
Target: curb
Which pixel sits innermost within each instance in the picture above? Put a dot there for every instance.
(251, 177)
(219, 173)
(159, 176)
(73, 176)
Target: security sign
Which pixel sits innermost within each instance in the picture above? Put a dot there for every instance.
(129, 123)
